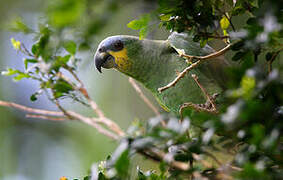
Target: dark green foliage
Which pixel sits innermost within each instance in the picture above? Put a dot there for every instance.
(247, 133)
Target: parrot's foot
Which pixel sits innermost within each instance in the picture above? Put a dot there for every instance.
(189, 59)
(209, 105)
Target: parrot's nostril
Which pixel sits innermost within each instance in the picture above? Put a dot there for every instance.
(102, 49)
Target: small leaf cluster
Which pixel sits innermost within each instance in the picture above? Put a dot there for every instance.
(141, 25)
(45, 62)
(172, 139)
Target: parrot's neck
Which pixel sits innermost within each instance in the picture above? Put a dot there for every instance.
(147, 66)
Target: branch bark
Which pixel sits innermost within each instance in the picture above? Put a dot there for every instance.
(193, 65)
(143, 97)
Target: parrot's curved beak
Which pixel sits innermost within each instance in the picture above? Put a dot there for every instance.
(103, 59)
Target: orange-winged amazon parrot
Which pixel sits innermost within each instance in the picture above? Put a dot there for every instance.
(155, 63)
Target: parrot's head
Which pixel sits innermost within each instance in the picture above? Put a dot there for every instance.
(115, 52)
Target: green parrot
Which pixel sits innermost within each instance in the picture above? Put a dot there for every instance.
(155, 63)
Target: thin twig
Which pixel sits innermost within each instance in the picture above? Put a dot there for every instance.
(162, 157)
(220, 163)
(45, 117)
(93, 122)
(203, 162)
(111, 124)
(61, 108)
(31, 110)
(44, 114)
(84, 92)
(205, 93)
(213, 157)
(218, 37)
(186, 70)
(272, 59)
(180, 76)
(102, 119)
(213, 55)
(145, 99)
(214, 36)
(25, 50)
(230, 21)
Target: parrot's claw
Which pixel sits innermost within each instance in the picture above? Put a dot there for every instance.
(209, 106)
(189, 59)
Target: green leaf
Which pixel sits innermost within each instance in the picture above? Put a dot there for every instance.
(269, 56)
(258, 132)
(41, 48)
(248, 84)
(21, 76)
(17, 25)
(203, 42)
(10, 72)
(35, 49)
(141, 176)
(238, 9)
(238, 56)
(64, 59)
(26, 61)
(252, 21)
(165, 17)
(101, 176)
(61, 88)
(143, 32)
(224, 23)
(140, 24)
(87, 178)
(123, 163)
(237, 46)
(59, 62)
(71, 47)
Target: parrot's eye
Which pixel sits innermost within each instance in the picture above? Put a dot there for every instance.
(118, 45)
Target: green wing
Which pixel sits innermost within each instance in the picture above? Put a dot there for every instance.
(214, 68)
(183, 41)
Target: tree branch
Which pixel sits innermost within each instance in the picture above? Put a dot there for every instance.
(49, 115)
(157, 155)
(193, 65)
(37, 116)
(143, 97)
(30, 110)
(102, 119)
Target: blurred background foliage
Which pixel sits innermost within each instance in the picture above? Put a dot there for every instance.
(37, 149)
